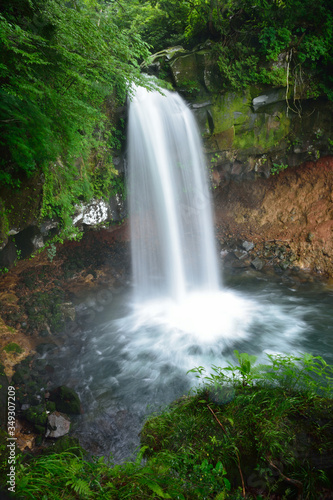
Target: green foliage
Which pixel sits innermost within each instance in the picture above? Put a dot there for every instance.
(63, 187)
(274, 40)
(51, 251)
(260, 424)
(201, 446)
(306, 373)
(275, 76)
(237, 64)
(278, 167)
(190, 87)
(68, 474)
(65, 67)
(13, 347)
(105, 180)
(255, 42)
(63, 472)
(161, 23)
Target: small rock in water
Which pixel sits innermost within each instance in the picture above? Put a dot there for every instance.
(58, 425)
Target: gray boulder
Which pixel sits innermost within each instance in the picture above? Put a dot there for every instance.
(58, 425)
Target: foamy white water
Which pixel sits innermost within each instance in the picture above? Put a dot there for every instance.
(181, 314)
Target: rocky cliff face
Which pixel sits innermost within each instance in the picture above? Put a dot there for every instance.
(250, 132)
(23, 231)
(288, 218)
(248, 137)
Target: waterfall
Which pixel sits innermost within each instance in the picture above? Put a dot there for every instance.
(181, 317)
(173, 251)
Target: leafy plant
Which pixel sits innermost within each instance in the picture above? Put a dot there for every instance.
(190, 87)
(306, 372)
(51, 252)
(278, 167)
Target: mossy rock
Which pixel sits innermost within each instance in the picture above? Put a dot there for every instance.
(21, 375)
(66, 400)
(44, 308)
(184, 69)
(13, 347)
(238, 126)
(37, 416)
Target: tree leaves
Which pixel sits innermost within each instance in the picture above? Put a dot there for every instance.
(59, 61)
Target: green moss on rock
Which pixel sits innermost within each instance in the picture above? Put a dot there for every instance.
(37, 416)
(238, 127)
(185, 69)
(66, 443)
(13, 347)
(230, 109)
(66, 400)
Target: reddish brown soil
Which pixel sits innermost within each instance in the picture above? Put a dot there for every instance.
(294, 207)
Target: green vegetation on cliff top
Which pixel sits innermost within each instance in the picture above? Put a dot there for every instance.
(254, 40)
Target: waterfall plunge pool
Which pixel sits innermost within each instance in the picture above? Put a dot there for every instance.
(131, 361)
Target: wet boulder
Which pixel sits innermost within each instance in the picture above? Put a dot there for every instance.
(37, 416)
(58, 425)
(66, 400)
(257, 263)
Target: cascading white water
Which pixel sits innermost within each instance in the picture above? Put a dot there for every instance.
(172, 237)
(181, 311)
